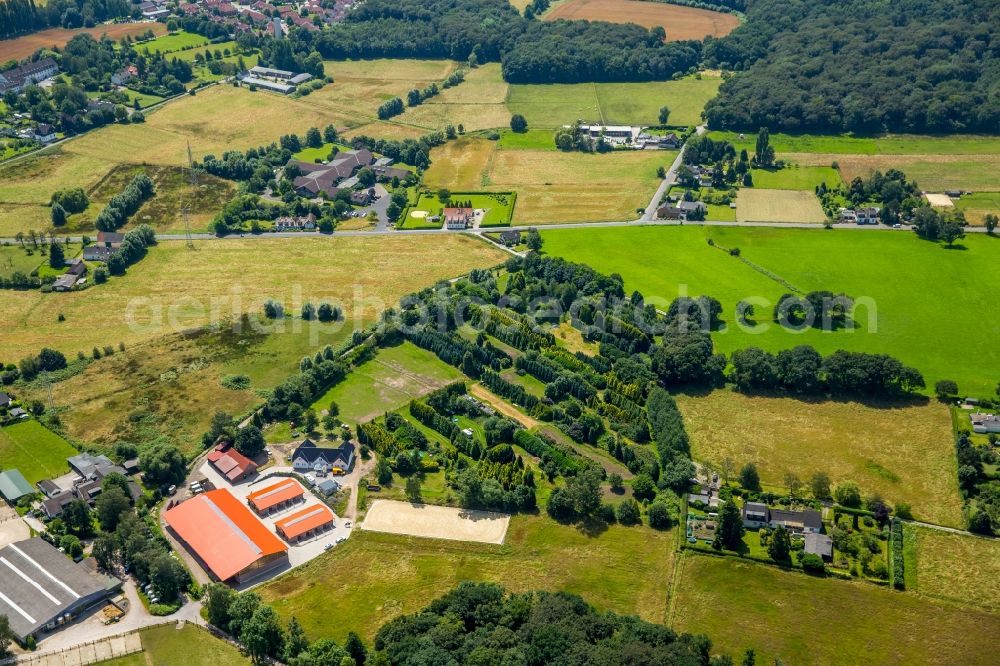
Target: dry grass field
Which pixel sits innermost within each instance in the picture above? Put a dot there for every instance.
(174, 288)
(459, 165)
(22, 47)
(957, 567)
(905, 453)
(679, 22)
(755, 205)
(477, 103)
(933, 172)
(805, 620)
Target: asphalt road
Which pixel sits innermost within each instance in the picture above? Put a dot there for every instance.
(669, 178)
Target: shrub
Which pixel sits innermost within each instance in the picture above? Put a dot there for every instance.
(896, 543)
(813, 563)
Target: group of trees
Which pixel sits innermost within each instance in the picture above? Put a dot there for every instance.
(124, 204)
(22, 16)
(531, 51)
(811, 66)
(132, 249)
(934, 225)
(67, 202)
(416, 96)
(390, 108)
(487, 625)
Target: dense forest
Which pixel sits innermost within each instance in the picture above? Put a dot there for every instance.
(478, 623)
(492, 30)
(855, 65)
(20, 16)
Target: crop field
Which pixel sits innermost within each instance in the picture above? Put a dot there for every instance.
(903, 452)
(956, 567)
(935, 173)
(890, 144)
(572, 187)
(665, 262)
(557, 104)
(978, 205)
(22, 47)
(679, 22)
(795, 177)
(759, 205)
(805, 620)
(175, 288)
(387, 382)
(393, 575)
(34, 449)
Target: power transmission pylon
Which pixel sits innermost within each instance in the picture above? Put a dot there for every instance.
(187, 203)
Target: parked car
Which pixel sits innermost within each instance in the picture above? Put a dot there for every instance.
(328, 546)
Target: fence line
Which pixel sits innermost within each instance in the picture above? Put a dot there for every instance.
(53, 657)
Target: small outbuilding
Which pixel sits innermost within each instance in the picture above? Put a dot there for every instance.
(13, 485)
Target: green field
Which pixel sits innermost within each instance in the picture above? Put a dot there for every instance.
(979, 204)
(166, 645)
(624, 569)
(499, 208)
(553, 105)
(805, 620)
(35, 450)
(390, 380)
(952, 285)
(174, 41)
(795, 178)
(15, 258)
(898, 144)
(533, 139)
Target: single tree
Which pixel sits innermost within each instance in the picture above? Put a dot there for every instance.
(356, 648)
(991, 222)
(848, 494)
(262, 636)
(518, 123)
(58, 215)
(110, 506)
(819, 485)
(615, 481)
(57, 258)
(628, 512)
(534, 240)
(950, 232)
(945, 389)
(217, 599)
(779, 546)
(794, 484)
(249, 441)
(664, 115)
(295, 640)
(730, 533)
(749, 478)
(659, 515)
(413, 489)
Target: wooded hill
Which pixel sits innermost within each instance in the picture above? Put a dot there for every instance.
(855, 65)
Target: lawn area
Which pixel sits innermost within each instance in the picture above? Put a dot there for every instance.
(390, 380)
(166, 645)
(14, 258)
(144, 99)
(678, 22)
(795, 177)
(553, 105)
(979, 204)
(35, 450)
(499, 208)
(956, 567)
(392, 575)
(661, 262)
(904, 453)
(531, 140)
(805, 620)
(174, 41)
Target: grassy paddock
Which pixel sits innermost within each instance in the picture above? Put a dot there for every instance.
(806, 620)
(35, 450)
(665, 262)
(905, 453)
(794, 205)
(387, 382)
(393, 575)
(166, 645)
(956, 567)
(174, 41)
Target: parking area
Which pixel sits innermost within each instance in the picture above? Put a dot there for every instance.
(436, 522)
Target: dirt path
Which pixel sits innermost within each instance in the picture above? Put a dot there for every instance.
(610, 465)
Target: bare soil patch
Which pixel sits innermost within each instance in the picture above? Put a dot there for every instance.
(22, 47)
(436, 522)
(679, 22)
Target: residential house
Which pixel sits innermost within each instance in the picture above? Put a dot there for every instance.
(819, 544)
(756, 515)
(868, 215)
(45, 133)
(110, 238)
(510, 238)
(18, 413)
(363, 197)
(18, 78)
(124, 75)
(681, 211)
(848, 215)
(231, 464)
(983, 423)
(64, 282)
(310, 457)
(97, 253)
(458, 219)
(5, 400)
(286, 223)
(669, 213)
(91, 467)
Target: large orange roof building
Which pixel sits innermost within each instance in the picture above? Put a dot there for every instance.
(226, 537)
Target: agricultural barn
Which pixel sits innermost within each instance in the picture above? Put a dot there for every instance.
(276, 496)
(305, 523)
(13, 485)
(231, 464)
(223, 534)
(40, 588)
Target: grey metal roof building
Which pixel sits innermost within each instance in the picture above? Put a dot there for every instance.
(40, 588)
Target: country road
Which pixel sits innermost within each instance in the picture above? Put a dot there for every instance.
(669, 178)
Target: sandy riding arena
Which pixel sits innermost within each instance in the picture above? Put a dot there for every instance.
(436, 522)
